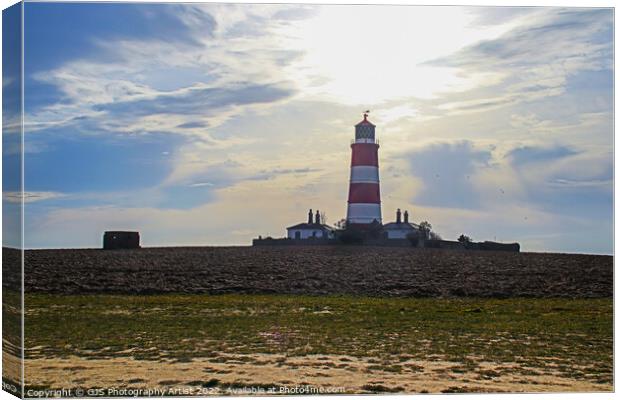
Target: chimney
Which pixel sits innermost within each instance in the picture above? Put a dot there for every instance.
(317, 217)
(310, 216)
(398, 216)
(406, 216)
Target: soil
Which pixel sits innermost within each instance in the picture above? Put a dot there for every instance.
(312, 270)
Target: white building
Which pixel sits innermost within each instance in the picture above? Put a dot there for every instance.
(311, 229)
(400, 229)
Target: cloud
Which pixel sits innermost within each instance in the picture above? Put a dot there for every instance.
(499, 15)
(30, 197)
(574, 41)
(553, 179)
(531, 154)
(447, 171)
(286, 171)
(229, 173)
(197, 100)
(591, 183)
(145, 86)
(566, 35)
(563, 181)
(197, 83)
(201, 184)
(193, 124)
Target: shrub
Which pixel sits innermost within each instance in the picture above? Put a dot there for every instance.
(464, 239)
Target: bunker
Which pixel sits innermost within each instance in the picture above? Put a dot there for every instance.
(121, 240)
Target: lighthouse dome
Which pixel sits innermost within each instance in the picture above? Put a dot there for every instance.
(365, 131)
(365, 121)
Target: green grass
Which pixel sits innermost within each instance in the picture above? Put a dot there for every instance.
(532, 332)
(11, 321)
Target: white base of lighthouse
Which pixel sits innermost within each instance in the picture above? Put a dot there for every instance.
(363, 213)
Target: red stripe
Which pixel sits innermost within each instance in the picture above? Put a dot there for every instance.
(364, 154)
(364, 193)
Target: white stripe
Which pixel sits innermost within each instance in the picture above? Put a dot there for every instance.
(364, 173)
(363, 213)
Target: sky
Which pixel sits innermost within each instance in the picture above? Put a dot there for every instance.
(212, 124)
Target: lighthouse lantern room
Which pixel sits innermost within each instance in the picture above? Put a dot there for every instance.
(364, 205)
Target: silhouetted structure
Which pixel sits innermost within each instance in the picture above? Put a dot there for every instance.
(400, 229)
(364, 204)
(121, 240)
(314, 229)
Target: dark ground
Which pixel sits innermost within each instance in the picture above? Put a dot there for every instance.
(367, 271)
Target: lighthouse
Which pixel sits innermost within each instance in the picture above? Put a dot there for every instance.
(364, 205)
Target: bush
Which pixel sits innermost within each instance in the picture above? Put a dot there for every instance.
(464, 239)
(435, 236)
(351, 236)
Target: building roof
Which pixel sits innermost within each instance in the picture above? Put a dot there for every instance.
(306, 225)
(404, 226)
(365, 121)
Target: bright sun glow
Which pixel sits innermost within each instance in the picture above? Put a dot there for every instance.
(370, 54)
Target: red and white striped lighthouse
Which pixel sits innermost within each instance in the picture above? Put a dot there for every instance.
(364, 205)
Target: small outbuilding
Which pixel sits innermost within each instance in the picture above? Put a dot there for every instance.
(400, 229)
(313, 229)
(121, 240)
